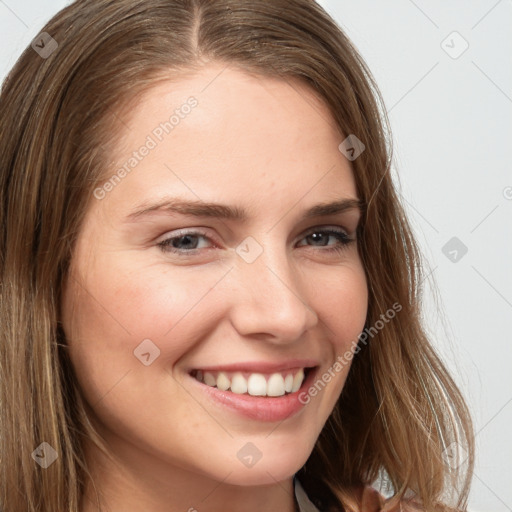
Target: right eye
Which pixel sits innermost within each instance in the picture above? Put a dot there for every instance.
(183, 243)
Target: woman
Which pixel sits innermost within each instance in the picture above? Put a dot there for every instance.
(210, 292)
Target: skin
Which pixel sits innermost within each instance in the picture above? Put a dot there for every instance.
(271, 147)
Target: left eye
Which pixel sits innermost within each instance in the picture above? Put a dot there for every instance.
(188, 242)
(323, 235)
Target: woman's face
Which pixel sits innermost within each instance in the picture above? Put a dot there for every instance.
(167, 299)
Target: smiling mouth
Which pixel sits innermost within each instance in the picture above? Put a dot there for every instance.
(254, 384)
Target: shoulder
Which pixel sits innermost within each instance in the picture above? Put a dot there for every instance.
(372, 501)
(362, 498)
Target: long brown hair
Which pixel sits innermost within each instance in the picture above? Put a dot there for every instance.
(399, 412)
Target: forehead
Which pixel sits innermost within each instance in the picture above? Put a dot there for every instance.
(221, 133)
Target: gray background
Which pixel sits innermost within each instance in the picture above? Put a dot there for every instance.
(450, 112)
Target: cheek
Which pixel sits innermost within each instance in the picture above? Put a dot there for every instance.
(343, 304)
(108, 314)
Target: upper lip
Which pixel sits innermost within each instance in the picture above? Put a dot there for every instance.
(260, 366)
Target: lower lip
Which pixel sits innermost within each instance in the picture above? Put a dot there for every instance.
(256, 407)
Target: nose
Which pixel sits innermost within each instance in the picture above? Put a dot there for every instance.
(268, 300)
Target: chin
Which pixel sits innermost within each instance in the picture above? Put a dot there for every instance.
(267, 474)
(269, 465)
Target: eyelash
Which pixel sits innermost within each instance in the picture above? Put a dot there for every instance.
(343, 238)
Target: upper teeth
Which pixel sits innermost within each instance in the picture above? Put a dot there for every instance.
(255, 384)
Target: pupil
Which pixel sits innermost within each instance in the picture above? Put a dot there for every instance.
(317, 237)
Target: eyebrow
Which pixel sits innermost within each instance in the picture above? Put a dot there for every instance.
(233, 213)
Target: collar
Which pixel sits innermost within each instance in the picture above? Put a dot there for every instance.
(303, 502)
